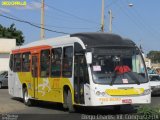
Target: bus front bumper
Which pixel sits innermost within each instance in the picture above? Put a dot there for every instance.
(120, 100)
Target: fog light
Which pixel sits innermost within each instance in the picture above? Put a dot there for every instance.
(146, 92)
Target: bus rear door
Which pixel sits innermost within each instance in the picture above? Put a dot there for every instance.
(35, 68)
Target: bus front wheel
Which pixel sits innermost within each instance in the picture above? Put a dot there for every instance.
(26, 99)
(69, 102)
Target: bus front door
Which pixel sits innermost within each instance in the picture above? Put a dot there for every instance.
(79, 79)
(35, 74)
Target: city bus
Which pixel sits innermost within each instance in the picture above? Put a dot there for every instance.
(81, 69)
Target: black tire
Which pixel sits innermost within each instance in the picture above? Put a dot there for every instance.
(0, 85)
(26, 99)
(65, 106)
(70, 105)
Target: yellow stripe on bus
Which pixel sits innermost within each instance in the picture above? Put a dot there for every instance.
(123, 92)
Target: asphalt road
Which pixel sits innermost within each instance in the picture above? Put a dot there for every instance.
(11, 105)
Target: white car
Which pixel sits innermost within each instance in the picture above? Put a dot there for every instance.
(155, 83)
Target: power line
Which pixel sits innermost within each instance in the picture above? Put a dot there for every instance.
(111, 3)
(67, 13)
(141, 23)
(57, 19)
(132, 20)
(117, 29)
(22, 21)
(47, 25)
(65, 27)
(8, 14)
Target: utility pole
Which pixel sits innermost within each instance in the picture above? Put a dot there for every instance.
(110, 21)
(102, 19)
(42, 20)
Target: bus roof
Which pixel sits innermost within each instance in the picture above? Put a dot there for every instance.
(92, 39)
(103, 39)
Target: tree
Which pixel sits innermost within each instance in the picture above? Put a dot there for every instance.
(154, 56)
(12, 32)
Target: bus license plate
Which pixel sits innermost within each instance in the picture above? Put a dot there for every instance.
(128, 101)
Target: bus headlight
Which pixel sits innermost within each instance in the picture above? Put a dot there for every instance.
(146, 92)
(98, 93)
(103, 93)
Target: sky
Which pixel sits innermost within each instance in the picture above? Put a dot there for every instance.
(141, 22)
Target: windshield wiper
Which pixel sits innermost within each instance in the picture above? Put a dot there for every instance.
(132, 76)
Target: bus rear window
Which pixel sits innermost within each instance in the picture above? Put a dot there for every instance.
(26, 62)
(11, 62)
(17, 62)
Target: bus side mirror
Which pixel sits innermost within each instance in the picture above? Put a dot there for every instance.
(89, 57)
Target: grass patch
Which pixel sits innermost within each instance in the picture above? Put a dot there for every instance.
(148, 113)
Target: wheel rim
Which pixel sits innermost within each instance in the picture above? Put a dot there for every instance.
(26, 96)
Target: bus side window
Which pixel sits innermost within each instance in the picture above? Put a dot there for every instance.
(17, 63)
(56, 62)
(11, 62)
(67, 61)
(26, 62)
(45, 63)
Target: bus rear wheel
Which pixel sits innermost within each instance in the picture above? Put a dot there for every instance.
(70, 105)
(65, 106)
(26, 99)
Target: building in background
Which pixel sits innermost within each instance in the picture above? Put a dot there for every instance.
(148, 62)
(6, 45)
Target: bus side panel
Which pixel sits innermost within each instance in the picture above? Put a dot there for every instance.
(26, 79)
(67, 82)
(87, 95)
(16, 81)
(11, 82)
(51, 89)
(45, 90)
(14, 85)
(17, 87)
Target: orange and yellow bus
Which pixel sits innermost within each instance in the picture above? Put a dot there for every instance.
(86, 69)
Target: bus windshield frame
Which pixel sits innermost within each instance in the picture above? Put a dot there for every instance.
(118, 65)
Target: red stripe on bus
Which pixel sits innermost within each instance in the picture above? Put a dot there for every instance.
(35, 49)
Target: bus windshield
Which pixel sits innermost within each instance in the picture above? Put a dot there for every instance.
(118, 66)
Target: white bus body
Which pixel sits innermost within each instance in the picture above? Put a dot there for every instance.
(90, 78)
